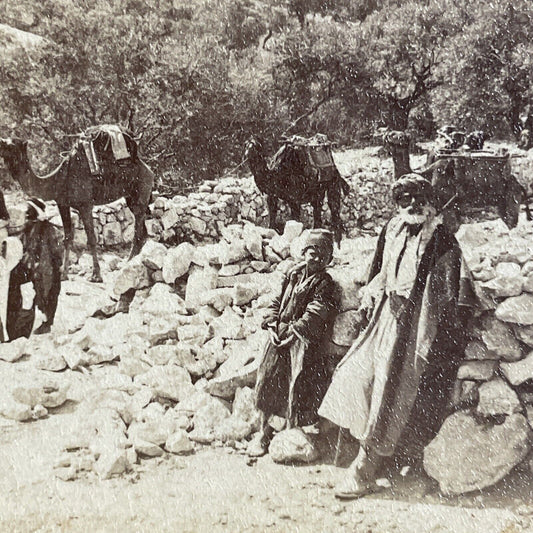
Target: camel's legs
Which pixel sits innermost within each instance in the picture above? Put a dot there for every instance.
(317, 208)
(139, 212)
(334, 203)
(64, 212)
(86, 214)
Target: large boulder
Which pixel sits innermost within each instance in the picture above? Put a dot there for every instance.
(14, 350)
(153, 254)
(207, 419)
(467, 455)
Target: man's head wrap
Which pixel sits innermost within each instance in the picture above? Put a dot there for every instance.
(411, 183)
(322, 240)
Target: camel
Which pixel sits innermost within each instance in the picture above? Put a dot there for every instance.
(294, 180)
(72, 185)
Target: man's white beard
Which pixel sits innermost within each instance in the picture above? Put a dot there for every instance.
(411, 218)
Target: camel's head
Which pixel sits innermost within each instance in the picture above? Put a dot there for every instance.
(253, 147)
(12, 147)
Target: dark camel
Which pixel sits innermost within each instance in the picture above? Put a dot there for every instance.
(72, 185)
(296, 182)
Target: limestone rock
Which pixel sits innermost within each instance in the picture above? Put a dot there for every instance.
(114, 462)
(499, 338)
(253, 240)
(280, 246)
(49, 393)
(196, 334)
(467, 456)
(517, 310)
(476, 350)
(519, 371)
(218, 298)
(231, 252)
(525, 334)
(148, 449)
(345, 279)
(133, 275)
(51, 361)
(162, 301)
(229, 270)
(179, 443)
(504, 286)
(243, 407)
(200, 279)
(206, 420)
(153, 254)
(497, 398)
(14, 350)
(156, 431)
(229, 325)
(292, 445)
(477, 370)
(172, 382)
(177, 262)
(292, 230)
(244, 294)
(9, 408)
(346, 328)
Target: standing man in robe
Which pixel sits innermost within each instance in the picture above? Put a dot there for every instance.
(293, 375)
(391, 389)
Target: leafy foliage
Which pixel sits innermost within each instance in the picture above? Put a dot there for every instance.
(198, 78)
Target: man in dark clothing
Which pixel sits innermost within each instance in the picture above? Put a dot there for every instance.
(40, 265)
(392, 387)
(293, 376)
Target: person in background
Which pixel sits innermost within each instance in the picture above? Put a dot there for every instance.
(293, 375)
(40, 270)
(391, 390)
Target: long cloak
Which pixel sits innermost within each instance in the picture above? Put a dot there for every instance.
(292, 381)
(428, 346)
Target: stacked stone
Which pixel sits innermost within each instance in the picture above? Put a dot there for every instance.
(494, 392)
(200, 216)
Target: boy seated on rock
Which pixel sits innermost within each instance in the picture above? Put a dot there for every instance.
(293, 377)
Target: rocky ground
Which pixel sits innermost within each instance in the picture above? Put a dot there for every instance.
(97, 440)
(140, 421)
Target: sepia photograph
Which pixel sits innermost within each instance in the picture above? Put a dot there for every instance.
(266, 266)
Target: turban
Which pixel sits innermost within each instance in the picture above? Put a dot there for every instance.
(320, 239)
(411, 183)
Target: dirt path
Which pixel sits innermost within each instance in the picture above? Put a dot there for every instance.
(215, 490)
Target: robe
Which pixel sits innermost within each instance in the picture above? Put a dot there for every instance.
(292, 380)
(392, 387)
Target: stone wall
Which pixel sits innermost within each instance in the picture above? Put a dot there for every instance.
(200, 216)
(490, 432)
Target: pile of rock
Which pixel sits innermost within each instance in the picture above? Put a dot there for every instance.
(491, 431)
(178, 370)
